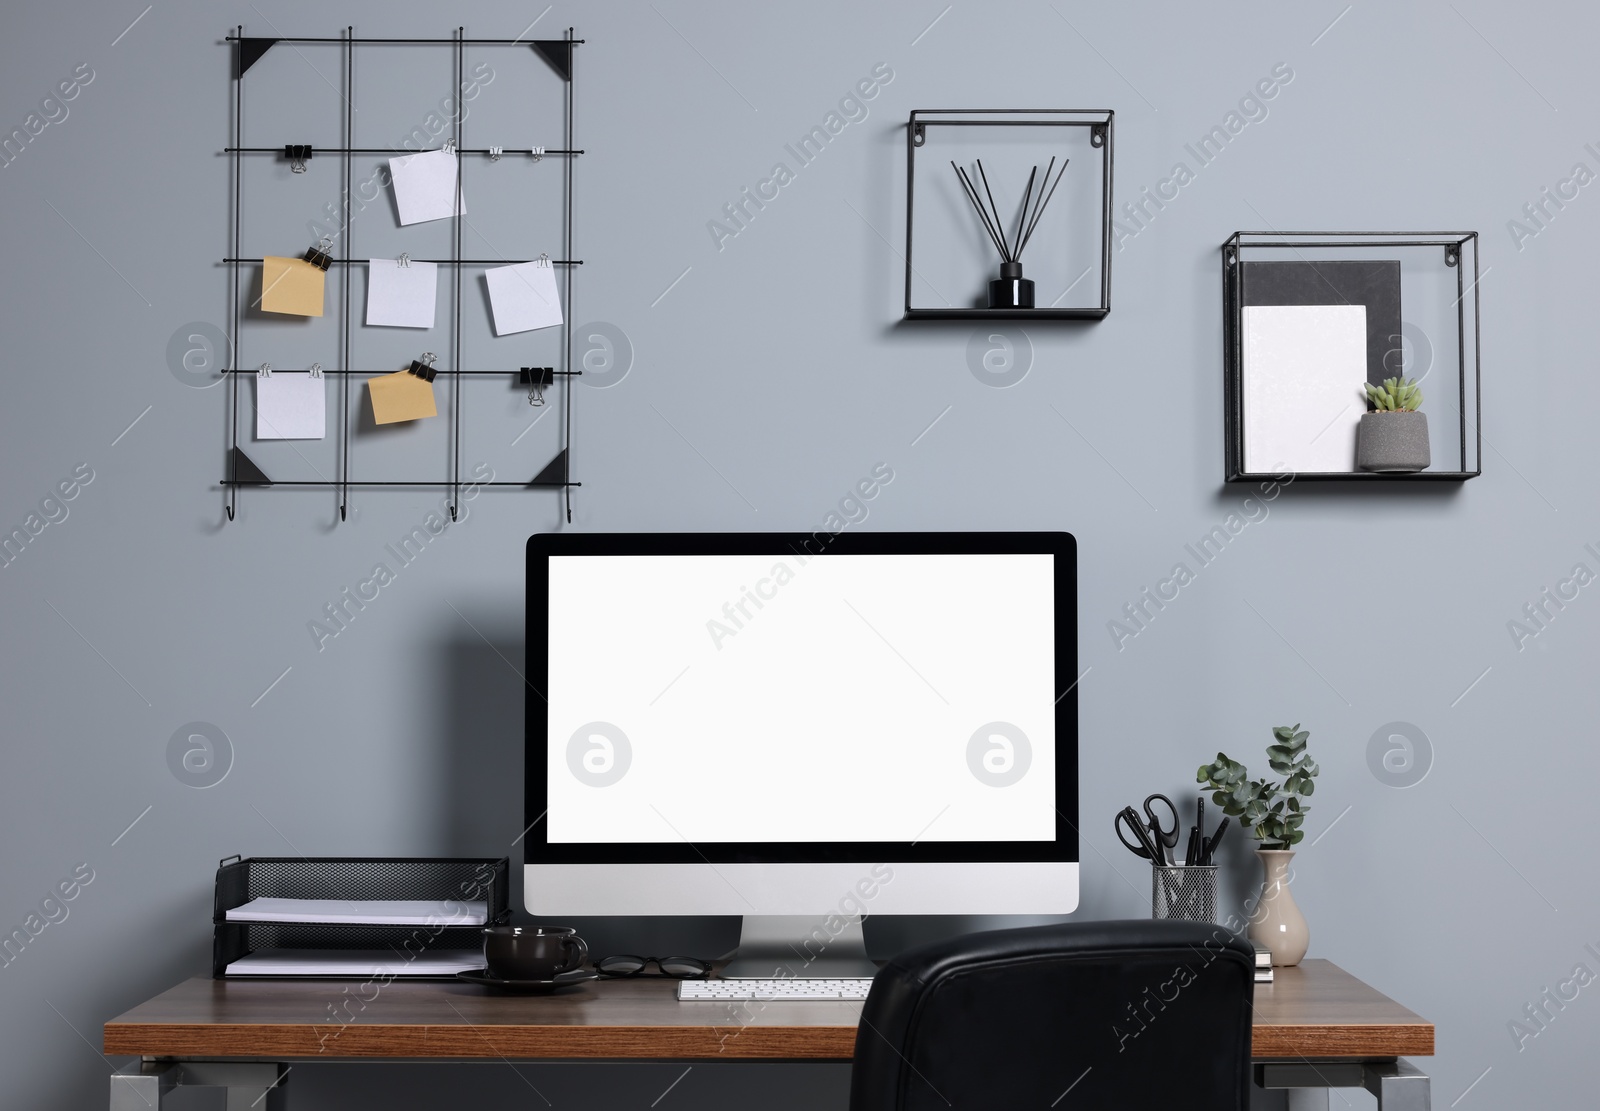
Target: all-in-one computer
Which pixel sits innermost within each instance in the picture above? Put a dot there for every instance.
(803, 729)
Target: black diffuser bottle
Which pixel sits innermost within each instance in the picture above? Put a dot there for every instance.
(1011, 290)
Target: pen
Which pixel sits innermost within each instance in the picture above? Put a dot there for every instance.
(1216, 839)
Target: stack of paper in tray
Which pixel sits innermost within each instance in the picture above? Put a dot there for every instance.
(393, 962)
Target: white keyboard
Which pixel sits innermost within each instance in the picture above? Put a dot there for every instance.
(719, 990)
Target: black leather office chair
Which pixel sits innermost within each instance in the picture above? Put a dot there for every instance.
(1126, 1015)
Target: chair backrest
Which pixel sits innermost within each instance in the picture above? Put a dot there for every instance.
(1125, 1015)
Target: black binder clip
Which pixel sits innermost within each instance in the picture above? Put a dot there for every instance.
(318, 256)
(298, 155)
(537, 379)
(423, 367)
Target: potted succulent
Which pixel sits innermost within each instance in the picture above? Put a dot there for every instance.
(1273, 813)
(1393, 437)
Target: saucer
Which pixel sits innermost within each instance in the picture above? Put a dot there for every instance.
(564, 979)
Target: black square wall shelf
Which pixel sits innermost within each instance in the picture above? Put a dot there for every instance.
(1309, 319)
(953, 254)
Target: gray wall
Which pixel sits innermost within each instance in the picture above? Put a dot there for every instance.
(762, 386)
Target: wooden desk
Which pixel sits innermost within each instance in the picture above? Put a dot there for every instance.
(1316, 1016)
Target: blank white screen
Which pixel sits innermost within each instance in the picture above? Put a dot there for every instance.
(843, 708)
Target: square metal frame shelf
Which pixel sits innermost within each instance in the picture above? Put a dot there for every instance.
(1100, 123)
(1460, 250)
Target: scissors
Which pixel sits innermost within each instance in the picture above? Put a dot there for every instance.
(1152, 839)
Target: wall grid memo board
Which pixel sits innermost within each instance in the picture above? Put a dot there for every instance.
(241, 469)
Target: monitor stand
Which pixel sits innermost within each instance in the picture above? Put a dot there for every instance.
(805, 947)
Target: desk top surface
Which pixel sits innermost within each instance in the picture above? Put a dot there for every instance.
(1315, 1010)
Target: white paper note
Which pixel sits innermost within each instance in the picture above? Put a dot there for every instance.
(523, 297)
(357, 963)
(364, 912)
(291, 407)
(1304, 369)
(425, 186)
(401, 296)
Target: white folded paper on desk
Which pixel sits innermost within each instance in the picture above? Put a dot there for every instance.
(356, 962)
(364, 912)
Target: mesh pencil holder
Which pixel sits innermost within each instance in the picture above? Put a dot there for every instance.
(1186, 893)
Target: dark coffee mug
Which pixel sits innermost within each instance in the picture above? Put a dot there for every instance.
(532, 952)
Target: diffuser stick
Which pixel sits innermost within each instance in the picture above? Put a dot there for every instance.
(1038, 204)
(1005, 255)
(977, 205)
(1040, 210)
(1022, 216)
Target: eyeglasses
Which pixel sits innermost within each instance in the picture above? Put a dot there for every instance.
(677, 968)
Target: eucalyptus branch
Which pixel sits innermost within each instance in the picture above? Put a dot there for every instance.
(1273, 811)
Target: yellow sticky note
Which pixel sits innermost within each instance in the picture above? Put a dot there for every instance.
(402, 396)
(291, 285)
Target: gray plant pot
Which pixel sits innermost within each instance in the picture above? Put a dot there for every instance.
(1393, 443)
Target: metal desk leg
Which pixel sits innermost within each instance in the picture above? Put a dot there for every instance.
(251, 1085)
(140, 1086)
(1399, 1086)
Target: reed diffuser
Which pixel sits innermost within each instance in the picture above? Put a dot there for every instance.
(1011, 290)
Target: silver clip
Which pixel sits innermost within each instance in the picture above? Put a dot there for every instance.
(325, 245)
(265, 371)
(494, 153)
(315, 371)
(535, 389)
(448, 146)
(297, 165)
(544, 260)
(537, 153)
(404, 261)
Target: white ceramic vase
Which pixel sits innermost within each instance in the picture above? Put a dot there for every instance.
(1277, 922)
